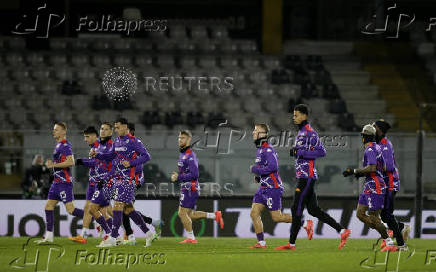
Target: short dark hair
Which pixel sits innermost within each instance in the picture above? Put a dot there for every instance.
(62, 124)
(108, 124)
(122, 121)
(303, 108)
(263, 126)
(90, 130)
(131, 128)
(186, 132)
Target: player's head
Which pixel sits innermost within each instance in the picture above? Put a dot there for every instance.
(368, 133)
(90, 135)
(131, 128)
(59, 130)
(106, 130)
(381, 127)
(301, 112)
(121, 126)
(185, 137)
(260, 131)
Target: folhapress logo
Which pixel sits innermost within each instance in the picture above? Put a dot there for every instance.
(37, 257)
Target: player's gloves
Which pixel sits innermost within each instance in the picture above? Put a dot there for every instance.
(79, 162)
(293, 152)
(257, 179)
(139, 185)
(348, 172)
(100, 184)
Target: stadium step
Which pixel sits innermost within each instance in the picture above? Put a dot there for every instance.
(394, 80)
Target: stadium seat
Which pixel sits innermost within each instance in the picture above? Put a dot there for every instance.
(199, 32)
(219, 32)
(60, 44)
(35, 59)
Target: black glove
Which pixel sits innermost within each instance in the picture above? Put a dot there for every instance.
(257, 179)
(79, 162)
(138, 186)
(348, 172)
(100, 184)
(293, 152)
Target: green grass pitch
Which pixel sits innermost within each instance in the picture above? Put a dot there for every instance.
(213, 254)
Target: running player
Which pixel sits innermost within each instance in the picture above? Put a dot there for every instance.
(306, 150)
(126, 153)
(189, 188)
(270, 191)
(129, 237)
(97, 198)
(62, 187)
(372, 198)
(392, 180)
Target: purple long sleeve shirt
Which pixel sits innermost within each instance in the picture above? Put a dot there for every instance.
(267, 167)
(98, 169)
(392, 178)
(188, 170)
(125, 148)
(309, 148)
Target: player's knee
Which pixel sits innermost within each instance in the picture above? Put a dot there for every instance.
(93, 210)
(361, 216)
(276, 217)
(70, 209)
(128, 210)
(254, 213)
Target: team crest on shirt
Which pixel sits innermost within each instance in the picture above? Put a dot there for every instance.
(269, 150)
(127, 141)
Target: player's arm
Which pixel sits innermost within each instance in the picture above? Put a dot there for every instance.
(106, 156)
(193, 170)
(143, 155)
(270, 167)
(69, 161)
(370, 168)
(90, 163)
(316, 149)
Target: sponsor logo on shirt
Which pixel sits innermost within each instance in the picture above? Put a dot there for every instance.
(122, 148)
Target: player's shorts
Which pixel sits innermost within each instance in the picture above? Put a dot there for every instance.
(188, 199)
(270, 197)
(100, 197)
(373, 201)
(90, 191)
(123, 191)
(61, 192)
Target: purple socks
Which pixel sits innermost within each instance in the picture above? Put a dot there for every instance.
(137, 218)
(78, 212)
(103, 224)
(109, 222)
(49, 218)
(116, 222)
(259, 236)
